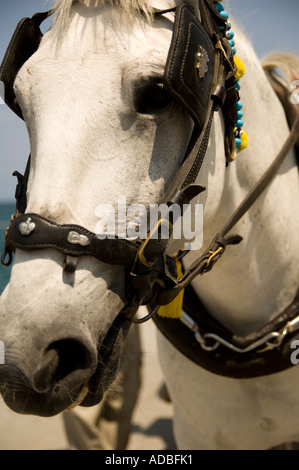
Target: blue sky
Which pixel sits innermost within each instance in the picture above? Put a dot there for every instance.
(270, 24)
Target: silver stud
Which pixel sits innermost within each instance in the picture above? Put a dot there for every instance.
(27, 227)
(202, 60)
(76, 239)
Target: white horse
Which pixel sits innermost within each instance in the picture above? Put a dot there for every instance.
(97, 131)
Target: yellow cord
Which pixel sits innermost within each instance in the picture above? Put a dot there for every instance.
(174, 308)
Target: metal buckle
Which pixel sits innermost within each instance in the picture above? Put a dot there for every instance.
(214, 256)
(141, 255)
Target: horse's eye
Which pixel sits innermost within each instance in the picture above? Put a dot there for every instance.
(153, 99)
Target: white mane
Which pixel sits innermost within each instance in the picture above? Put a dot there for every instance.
(132, 8)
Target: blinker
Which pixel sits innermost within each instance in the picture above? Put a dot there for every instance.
(188, 77)
(23, 44)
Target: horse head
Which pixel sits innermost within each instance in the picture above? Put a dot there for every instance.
(102, 125)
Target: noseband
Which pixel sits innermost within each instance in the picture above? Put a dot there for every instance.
(200, 76)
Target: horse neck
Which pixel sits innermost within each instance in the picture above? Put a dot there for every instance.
(255, 280)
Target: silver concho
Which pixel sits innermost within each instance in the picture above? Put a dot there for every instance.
(202, 60)
(27, 227)
(76, 239)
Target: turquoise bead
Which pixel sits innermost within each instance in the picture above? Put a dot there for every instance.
(219, 6)
(224, 14)
(229, 34)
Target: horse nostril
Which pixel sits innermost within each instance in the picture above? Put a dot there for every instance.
(42, 378)
(59, 360)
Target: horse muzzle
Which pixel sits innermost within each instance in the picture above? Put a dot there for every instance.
(45, 378)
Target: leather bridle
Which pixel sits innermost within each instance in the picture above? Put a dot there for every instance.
(149, 270)
(151, 277)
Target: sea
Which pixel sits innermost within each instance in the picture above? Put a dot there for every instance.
(6, 210)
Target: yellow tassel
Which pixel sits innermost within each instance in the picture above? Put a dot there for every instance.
(174, 308)
(244, 141)
(241, 68)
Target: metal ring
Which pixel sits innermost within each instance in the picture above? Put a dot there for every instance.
(203, 342)
(147, 317)
(4, 255)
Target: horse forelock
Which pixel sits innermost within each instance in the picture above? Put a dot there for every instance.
(132, 9)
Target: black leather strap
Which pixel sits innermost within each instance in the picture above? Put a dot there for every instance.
(224, 361)
(24, 42)
(21, 188)
(48, 234)
(34, 232)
